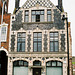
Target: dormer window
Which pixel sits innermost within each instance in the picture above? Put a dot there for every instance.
(37, 15)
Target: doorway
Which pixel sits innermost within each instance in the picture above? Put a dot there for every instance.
(3, 63)
(36, 71)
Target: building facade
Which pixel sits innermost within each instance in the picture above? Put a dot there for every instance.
(38, 43)
(4, 30)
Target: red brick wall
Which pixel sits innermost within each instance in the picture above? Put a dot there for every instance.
(6, 20)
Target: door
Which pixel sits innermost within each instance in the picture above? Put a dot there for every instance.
(36, 71)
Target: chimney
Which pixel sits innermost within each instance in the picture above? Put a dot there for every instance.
(17, 5)
(60, 7)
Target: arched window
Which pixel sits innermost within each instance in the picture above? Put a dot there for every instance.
(54, 68)
(20, 67)
(36, 63)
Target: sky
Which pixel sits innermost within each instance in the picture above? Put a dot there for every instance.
(69, 7)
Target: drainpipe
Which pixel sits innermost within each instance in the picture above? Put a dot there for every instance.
(68, 46)
(64, 18)
(2, 21)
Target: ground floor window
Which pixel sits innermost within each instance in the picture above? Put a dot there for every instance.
(20, 68)
(54, 68)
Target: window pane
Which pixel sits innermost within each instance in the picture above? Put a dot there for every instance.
(35, 39)
(37, 18)
(49, 18)
(35, 34)
(21, 42)
(19, 34)
(42, 12)
(55, 34)
(59, 64)
(26, 18)
(51, 46)
(56, 46)
(26, 12)
(35, 47)
(49, 12)
(25, 63)
(20, 63)
(41, 18)
(19, 39)
(3, 30)
(49, 63)
(15, 63)
(53, 63)
(33, 12)
(51, 34)
(39, 47)
(19, 47)
(37, 12)
(39, 34)
(23, 34)
(39, 39)
(37, 63)
(33, 18)
(23, 47)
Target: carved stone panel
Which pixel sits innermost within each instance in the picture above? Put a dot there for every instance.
(12, 42)
(45, 42)
(17, 24)
(63, 42)
(29, 43)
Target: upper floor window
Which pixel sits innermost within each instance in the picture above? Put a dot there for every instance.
(38, 16)
(37, 44)
(54, 42)
(48, 15)
(21, 42)
(26, 16)
(4, 33)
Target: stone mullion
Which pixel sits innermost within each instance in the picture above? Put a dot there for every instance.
(45, 15)
(48, 41)
(29, 15)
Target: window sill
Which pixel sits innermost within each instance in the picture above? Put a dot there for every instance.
(37, 52)
(38, 22)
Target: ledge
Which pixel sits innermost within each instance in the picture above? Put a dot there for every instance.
(38, 22)
(37, 52)
(36, 67)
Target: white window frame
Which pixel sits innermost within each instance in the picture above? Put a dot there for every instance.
(4, 25)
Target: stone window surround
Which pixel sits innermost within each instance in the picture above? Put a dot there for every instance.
(40, 8)
(10, 66)
(43, 32)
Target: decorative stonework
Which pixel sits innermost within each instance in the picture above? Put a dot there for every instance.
(45, 42)
(31, 3)
(58, 22)
(63, 42)
(17, 24)
(29, 44)
(12, 42)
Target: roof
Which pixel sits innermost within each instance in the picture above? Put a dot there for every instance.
(32, 3)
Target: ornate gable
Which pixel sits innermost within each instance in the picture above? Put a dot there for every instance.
(32, 3)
